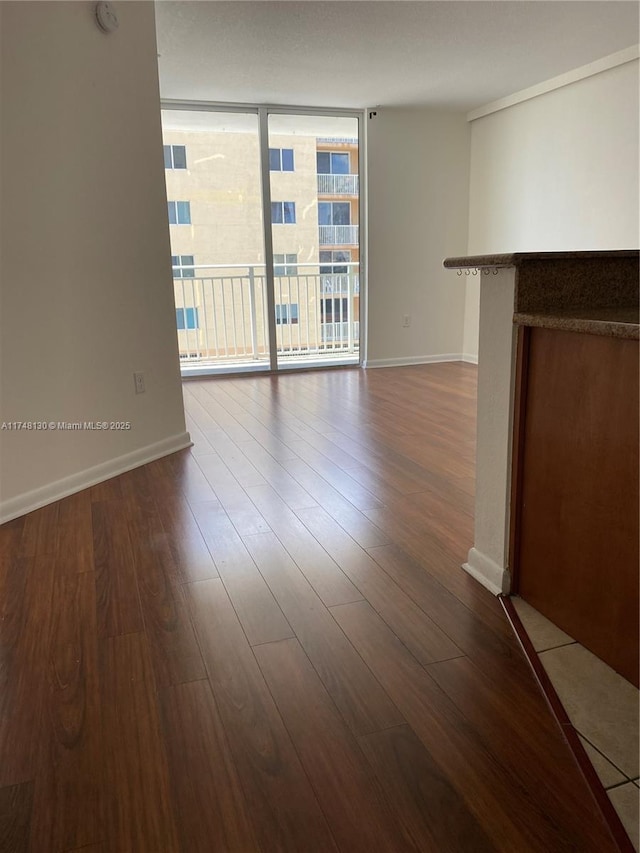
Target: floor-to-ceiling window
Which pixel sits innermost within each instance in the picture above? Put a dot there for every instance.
(264, 214)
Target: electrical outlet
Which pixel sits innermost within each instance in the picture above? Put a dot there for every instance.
(138, 379)
(406, 320)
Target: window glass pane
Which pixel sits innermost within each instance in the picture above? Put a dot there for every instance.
(179, 157)
(220, 168)
(274, 159)
(289, 212)
(287, 159)
(187, 270)
(293, 312)
(340, 164)
(171, 205)
(323, 159)
(276, 212)
(180, 318)
(292, 259)
(334, 310)
(325, 257)
(324, 213)
(338, 267)
(341, 213)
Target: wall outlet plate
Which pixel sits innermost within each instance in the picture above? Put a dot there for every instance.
(138, 379)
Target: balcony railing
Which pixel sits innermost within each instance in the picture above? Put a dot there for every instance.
(338, 235)
(339, 283)
(338, 184)
(221, 314)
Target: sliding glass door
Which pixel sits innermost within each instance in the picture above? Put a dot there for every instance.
(315, 213)
(264, 214)
(214, 199)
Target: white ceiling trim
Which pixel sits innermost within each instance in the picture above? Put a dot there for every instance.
(621, 57)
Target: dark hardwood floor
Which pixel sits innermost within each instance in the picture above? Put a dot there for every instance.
(266, 642)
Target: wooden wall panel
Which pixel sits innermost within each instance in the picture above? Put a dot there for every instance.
(578, 534)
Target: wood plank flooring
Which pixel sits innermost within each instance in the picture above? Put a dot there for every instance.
(266, 642)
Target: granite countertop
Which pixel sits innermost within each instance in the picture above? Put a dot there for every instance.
(612, 322)
(516, 259)
(590, 292)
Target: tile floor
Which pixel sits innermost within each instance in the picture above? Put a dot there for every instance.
(602, 706)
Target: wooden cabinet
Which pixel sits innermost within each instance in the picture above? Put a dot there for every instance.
(575, 526)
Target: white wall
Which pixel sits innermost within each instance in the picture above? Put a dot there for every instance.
(554, 173)
(86, 287)
(488, 559)
(418, 180)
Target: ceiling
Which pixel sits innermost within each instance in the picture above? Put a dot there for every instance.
(337, 53)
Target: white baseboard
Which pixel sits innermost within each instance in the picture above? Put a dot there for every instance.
(470, 358)
(415, 359)
(28, 501)
(487, 572)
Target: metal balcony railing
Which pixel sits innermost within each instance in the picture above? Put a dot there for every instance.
(339, 283)
(338, 235)
(338, 184)
(221, 313)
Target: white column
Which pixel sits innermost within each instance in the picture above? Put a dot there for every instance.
(488, 559)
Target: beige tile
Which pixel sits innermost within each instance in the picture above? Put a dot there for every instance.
(600, 703)
(542, 633)
(626, 801)
(607, 773)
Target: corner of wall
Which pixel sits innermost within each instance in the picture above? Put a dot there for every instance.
(87, 293)
(418, 215)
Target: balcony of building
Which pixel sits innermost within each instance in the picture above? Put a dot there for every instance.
(338, 235)
(338, 185)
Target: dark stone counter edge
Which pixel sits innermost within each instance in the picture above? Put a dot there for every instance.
(516, 259)
(608, 328)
